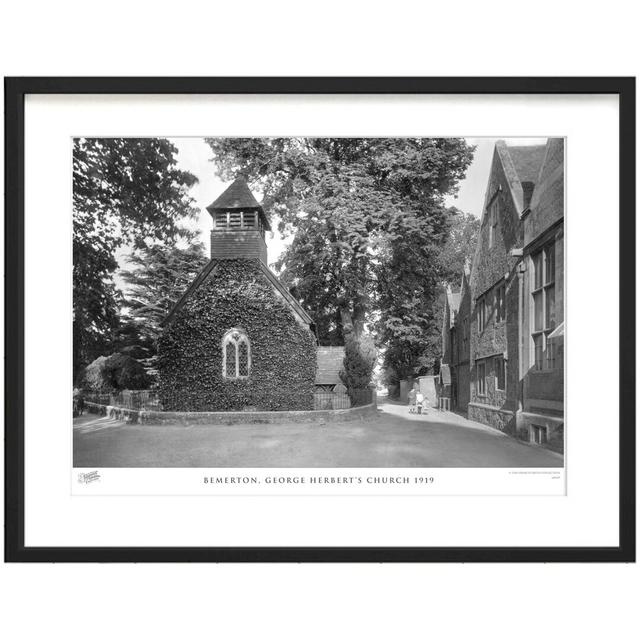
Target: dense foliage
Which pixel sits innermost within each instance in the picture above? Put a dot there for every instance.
(113, 373)
(126, 191)
(459, 247)
(236, 295)
(418, 351)
(155, 279)
(413, 298)
(368, 222)
(359, 361)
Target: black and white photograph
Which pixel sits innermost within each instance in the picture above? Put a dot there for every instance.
(287, 289)
(316, 302)
(342, 313)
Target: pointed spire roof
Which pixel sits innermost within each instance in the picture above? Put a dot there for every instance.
(238, 196)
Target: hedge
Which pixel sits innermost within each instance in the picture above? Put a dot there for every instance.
(113, 373)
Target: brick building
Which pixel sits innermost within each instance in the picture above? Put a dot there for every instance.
(512, 301)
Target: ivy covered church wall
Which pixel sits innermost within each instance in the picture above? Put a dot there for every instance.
(236, 294)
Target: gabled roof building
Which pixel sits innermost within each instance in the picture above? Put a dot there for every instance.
(541, 416)
(237, 339)
(494, 389)
(513, 300)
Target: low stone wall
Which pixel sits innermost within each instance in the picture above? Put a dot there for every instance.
(232, 417)
(118, 413)
(500, 419)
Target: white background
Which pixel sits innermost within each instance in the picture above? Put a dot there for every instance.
(587, 516)
(315, 601)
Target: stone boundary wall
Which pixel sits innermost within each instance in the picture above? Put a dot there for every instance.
(500, 419)
(135, 416)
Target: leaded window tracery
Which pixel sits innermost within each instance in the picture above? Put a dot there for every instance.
(236, 355)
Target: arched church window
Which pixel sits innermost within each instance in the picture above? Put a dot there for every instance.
(236, 354)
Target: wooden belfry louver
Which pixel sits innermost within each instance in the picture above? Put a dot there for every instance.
(239, 223)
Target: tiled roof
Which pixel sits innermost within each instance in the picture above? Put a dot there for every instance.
(329, 365)
(527, 161)
(236, 196)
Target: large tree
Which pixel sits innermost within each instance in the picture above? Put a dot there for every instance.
(368, 219)
(155, 278)
(459, 247)
(413, 303)
(126, 191)
(408, 323)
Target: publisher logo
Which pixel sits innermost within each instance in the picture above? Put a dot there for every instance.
(90, 476)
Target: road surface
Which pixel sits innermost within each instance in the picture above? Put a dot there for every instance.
(392, 438)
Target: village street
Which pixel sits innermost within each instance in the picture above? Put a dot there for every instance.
(393, 438)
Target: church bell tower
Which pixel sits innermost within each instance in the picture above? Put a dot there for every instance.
(239, 224)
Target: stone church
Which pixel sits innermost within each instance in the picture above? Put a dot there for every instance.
(237, 340)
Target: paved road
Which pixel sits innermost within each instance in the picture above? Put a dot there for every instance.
(393, 438)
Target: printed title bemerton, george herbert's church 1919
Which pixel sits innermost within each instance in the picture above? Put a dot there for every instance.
(237, 339)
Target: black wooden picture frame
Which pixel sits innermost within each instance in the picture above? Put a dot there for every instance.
(15, 91)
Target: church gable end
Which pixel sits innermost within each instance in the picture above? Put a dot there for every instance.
(235, 343)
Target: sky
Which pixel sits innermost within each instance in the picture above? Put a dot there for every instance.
(194, 155)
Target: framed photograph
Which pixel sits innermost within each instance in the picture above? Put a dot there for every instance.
(320, 319)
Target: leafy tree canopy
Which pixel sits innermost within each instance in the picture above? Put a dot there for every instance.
(459, 247)
(126, 191)
(155, 279)
(368, 221)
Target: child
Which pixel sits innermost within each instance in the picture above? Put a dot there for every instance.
(419, 401)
